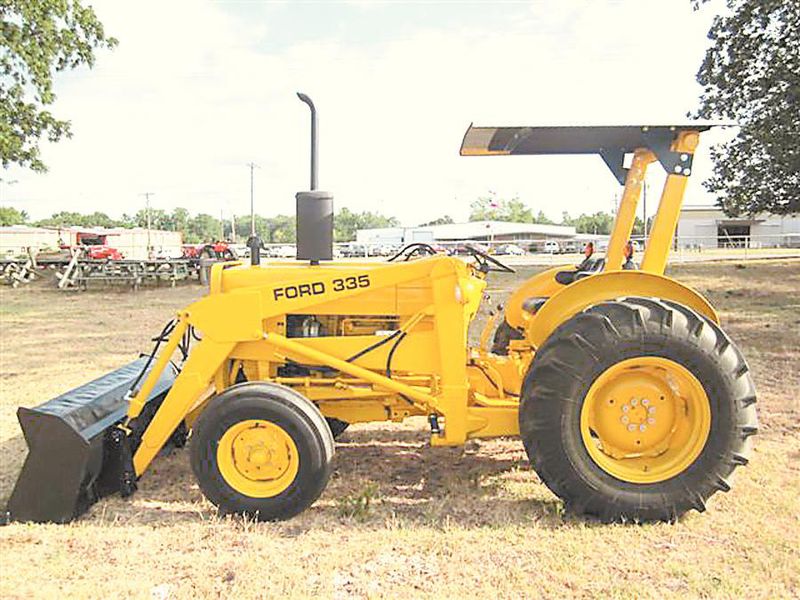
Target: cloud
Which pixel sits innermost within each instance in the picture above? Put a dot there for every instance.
(195, 91)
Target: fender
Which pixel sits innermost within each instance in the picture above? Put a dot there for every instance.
(607, 286)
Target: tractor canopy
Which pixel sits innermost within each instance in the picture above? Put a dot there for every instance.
(611, 142)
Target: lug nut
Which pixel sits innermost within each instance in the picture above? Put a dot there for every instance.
(634, 401)
(652, 410)
(625, 408)
(645, 401)
(624, 418)
(631, 427)
(651, 421)
(642, 427)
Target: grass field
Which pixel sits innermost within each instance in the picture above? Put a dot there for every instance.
(401, 519)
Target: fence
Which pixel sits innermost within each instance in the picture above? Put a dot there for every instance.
(560, 250)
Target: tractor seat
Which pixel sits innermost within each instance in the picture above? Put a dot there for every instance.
(533, 304)
(586, 268)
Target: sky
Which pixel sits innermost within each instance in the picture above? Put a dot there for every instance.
(196, 90)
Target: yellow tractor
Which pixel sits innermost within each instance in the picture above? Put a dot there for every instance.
(630, 400)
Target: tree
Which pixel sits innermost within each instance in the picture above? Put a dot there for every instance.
(201, 228)
(178, 220)
(598, 223)
(11, 216)
(63, 218)
(492, 208)
(159, 219)
(282, 229)
(99, 219)
(40, 38)
(346, 223)
(751, 75)
(445, 220)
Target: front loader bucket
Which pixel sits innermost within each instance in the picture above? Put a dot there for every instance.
(76, 452)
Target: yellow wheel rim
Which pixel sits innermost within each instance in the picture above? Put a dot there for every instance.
(258, 458)
(645, 419)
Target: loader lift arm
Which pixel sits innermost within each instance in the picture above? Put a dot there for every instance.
(252, 305)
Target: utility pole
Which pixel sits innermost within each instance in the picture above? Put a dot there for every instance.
(252, 166)
(147, 214)
(221, 225)
(233, 226)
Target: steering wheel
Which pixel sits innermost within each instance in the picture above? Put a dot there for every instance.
(485, 261)
(415, 248)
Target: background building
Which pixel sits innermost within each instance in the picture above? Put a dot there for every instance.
(478, 231)
(709, 227)
(132, 243)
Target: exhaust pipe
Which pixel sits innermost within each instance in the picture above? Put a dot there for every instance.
(314, 146)
(314, 217)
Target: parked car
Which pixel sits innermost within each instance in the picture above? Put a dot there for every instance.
(509, 249)
(284, 251)
(552, 247)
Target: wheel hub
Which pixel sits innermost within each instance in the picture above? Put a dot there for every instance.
(645, 419)
(259, 453)
(258, 458)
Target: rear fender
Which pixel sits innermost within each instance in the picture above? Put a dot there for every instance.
(608, 286)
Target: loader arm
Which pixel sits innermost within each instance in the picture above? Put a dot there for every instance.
(235, 317)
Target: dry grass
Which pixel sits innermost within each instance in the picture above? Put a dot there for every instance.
(399, 518)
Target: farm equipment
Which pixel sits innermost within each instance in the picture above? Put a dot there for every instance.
(630, 400)
(203, 256)
(215, 250)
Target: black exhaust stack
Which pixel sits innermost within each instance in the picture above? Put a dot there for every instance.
(314, 208)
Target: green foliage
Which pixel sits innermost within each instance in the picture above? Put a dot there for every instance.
(205, 228)
(346, 223)
(278, 229)
(597, 223)
(67, 218)
(491, 208)
(202, 228)
(751, 75)
(445, 220)
(11, 216)
(357, 506)
(39, 38)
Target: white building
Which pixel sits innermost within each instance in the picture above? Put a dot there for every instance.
(132, 243)
(499, 231)
(709, 227)
(486, 231)
(16, 239)
(393, 236)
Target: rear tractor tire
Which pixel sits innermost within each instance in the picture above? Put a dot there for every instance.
(637, 410)
(261, 450)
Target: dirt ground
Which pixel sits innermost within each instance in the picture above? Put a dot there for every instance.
(400, 519)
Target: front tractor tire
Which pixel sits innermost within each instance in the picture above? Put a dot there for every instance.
(261, 450)
(637, 410)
